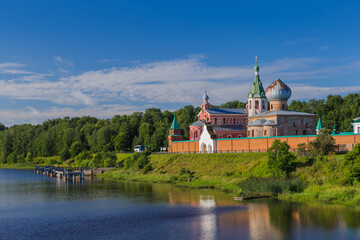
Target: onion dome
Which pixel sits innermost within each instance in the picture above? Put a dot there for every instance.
(205, 97)
(278, 90)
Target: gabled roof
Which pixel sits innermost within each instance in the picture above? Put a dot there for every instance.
(226, 111)
(196, 124)
(175, 124)
(210, 130)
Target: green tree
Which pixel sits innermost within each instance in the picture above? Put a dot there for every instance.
(75, 149)
(323, 144)
(280, 160)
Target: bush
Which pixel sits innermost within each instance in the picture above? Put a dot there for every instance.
(50, 162)
(147, 168)
(12, 158)
(29, 158)
(81, 157)
(323, 144)
(275, 190)
(142, 161)
(280, 159)
(97, 161)
(128, 162)
(109, 162)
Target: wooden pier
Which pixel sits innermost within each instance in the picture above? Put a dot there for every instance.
(63, 173)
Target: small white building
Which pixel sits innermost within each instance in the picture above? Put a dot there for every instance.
(356, 125)
(207, 141)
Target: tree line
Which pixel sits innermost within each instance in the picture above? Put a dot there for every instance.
(68, 137)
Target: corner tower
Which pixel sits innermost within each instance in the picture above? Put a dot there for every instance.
(257, 102)
(174, 134)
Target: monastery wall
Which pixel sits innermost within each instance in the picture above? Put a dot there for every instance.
(261, 144)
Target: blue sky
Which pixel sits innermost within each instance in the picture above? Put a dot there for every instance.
(101, 58)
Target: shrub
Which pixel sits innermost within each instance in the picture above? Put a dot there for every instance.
(129, 162)
(50, 161)
(75, 149)
(12, 158)
(65, 154)
(323, 144)
(97, 161)
(275, 190)
(109, 162)
(29, 157)
(147, 168)
(280, 159)
(142, 161)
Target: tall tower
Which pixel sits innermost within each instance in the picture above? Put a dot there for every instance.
(257, 101)
(174, 134)
(205, 104)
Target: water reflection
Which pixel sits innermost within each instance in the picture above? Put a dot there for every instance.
(160, 210)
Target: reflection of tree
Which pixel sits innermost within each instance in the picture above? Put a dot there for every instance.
(281, 217)
(351, 218)
(318, 216)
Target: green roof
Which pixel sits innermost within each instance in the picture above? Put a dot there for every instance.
(257, 89)
(356, 121)
(175, 124)
(319, 125)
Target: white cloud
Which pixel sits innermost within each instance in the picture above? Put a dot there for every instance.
(179, 82)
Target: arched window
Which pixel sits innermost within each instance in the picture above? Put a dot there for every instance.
(224, 121)
(264, 132)
(234, 121)
(229, 136)
(252, 133)
(263, 105)
(196, 135)
(271, 106)
(239, 136)
(283, 107)
(215, 121)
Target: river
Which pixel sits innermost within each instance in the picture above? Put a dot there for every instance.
(38, 207)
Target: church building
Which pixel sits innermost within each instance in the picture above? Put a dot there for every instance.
(226, 122)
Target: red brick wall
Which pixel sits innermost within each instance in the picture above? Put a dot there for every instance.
(262, 144)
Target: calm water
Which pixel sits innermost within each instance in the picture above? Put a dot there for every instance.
(37, 207)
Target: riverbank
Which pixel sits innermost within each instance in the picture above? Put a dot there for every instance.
(247, 174)
(241, 174)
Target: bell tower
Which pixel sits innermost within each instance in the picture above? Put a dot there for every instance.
(257, 102)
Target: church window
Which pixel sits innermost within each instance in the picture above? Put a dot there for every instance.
(256, 104)
(264, 132)
(224, 121)
(252, 133)
(239, 136)
(263, 104)
(229, 136)
(283, 107)
(234, 121)
(196, 135)
(215, 121)
(271, 106)
(304, 132)
(296, 132)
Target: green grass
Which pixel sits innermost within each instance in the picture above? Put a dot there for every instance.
(18, 166)
(122, 156)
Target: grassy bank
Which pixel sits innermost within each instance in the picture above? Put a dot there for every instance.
(248, 174)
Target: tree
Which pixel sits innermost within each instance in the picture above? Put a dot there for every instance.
(280, 159)
(75, 149)
(65, 154)
(323, 144)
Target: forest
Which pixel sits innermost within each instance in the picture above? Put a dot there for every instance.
(69, 137)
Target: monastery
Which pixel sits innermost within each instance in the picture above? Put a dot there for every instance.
(266, 116)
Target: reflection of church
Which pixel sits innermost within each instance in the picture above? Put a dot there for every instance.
(266, 115)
